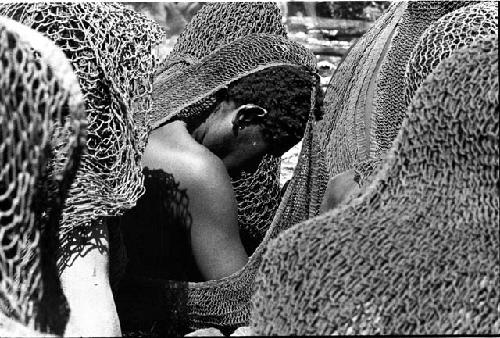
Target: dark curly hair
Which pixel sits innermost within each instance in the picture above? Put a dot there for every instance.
(284, 91)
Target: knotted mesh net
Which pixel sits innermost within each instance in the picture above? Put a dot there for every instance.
(42, 125)
(452, 31)
(391, 105)
(349, 99)
(365, 104)
(418, 252)
(111, 50)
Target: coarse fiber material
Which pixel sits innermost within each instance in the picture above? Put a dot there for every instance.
(418, 253)
(221, 44)
(111, 51)
(365, 102)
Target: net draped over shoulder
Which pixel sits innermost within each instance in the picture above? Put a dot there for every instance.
(357, 131)
(418, 252)
(221, 44)
(42, 136)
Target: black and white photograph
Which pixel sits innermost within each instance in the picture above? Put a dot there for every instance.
(292, 168)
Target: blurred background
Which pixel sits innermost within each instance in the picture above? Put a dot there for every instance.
(328, 29)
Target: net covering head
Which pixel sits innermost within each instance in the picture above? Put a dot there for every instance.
(285, 93)
(218, 24)
(237, 39)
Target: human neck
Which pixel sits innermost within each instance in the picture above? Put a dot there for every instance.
(199, 133)
(237, 161)
(203, 129)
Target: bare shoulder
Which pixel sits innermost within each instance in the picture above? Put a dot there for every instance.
(193, 165)
(206, 171)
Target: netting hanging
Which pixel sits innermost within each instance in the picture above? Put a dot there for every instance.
(111, 50)
(364, 105)
(345, 139)
(42, 133)
(418, 252)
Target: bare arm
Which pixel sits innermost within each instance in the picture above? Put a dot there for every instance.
(84, 279)
(215, 240)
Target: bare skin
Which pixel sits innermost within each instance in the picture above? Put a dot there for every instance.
(85, 284)
(339, 190)
(228, 140)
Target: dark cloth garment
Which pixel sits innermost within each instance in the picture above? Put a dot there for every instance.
(156, 231)
(150, 250)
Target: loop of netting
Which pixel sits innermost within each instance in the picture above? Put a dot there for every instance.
(255, 192)
(42, 135)
(110, 48)
(225, 303)
(418, 253)
(349, 99)
(365, 102)
(217, 25)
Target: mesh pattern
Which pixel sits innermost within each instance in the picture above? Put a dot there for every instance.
(412, 255)
(349, 99)
(454, 30)
(253, 202)
(225, 303)
(110, 48)
(390, 100)
(243, 56)
(207, 32)
(42, 134)
(364, 170)
(365, 102)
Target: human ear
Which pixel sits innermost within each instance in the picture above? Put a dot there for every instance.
(247, 115)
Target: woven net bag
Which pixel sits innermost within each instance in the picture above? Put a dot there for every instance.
(42, 133)
(418, 253)
(111, 50)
